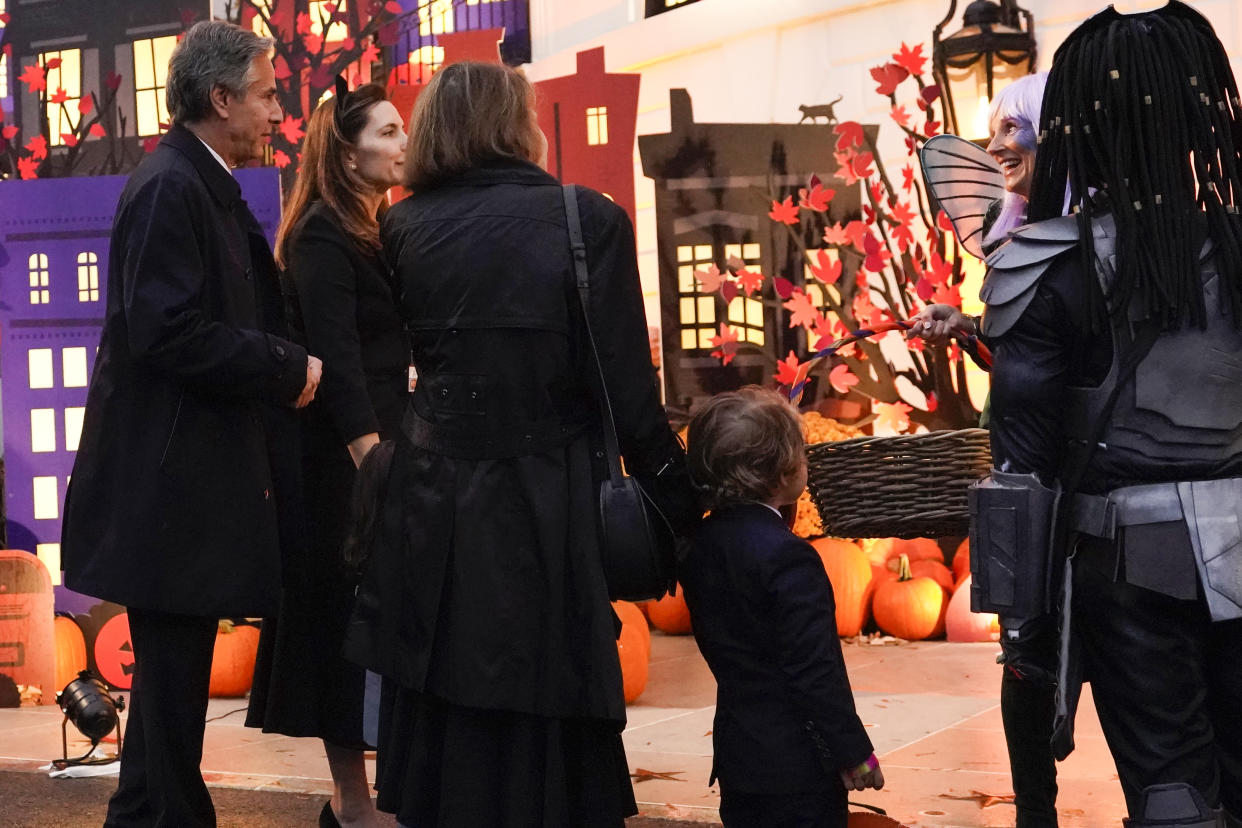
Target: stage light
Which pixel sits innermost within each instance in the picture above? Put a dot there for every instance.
(89, 708)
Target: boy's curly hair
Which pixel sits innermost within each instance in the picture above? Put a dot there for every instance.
(741, 444)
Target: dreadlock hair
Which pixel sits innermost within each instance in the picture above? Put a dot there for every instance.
(1144, 110)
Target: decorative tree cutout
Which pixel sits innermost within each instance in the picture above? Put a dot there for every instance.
(880, 269)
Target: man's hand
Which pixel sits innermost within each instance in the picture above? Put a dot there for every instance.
(314, 373)
(939, 323)
(866, 775)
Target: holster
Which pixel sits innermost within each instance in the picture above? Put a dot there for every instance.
(1012, 523)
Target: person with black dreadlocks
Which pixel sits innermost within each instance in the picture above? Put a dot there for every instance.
(1117, 407)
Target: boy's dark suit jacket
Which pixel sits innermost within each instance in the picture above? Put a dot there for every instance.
(764, 618)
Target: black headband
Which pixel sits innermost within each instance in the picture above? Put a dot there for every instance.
(342, 92)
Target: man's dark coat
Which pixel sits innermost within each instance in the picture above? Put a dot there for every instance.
(171, 505)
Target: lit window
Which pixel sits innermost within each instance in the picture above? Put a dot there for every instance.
(696, 310)
(150, 75)
(668, 4)
(40, 362)
(73, 361)
(49, 553)
(38, 279)
(319, 15)
(597, 125)
(67, 76)
(746, 313)
(42, 429)
(435, 17)
(46, 500)
(4, 75)
(88, 277)
(424, 61)
(73, 427)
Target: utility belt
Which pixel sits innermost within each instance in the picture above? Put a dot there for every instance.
(1172, 538)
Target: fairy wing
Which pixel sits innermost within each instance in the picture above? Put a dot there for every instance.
(962, 180)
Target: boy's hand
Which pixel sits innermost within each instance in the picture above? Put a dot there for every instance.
(865, 775)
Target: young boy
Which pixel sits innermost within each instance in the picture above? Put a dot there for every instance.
(787, 740)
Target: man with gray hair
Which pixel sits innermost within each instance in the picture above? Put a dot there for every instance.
(171, 510)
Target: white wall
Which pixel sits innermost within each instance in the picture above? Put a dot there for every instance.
(754, 61)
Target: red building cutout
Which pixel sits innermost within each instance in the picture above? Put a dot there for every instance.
(589, 118)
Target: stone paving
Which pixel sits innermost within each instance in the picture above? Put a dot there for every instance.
(931, 708)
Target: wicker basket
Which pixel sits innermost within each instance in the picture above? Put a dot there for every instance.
(908, 486)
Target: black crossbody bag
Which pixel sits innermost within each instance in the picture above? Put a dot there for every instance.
(636, 541)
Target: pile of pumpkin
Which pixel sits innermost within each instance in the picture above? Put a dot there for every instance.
(905, 586)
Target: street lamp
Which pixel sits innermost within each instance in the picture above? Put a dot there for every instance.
(996, 45)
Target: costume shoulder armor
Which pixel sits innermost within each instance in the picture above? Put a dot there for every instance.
(1015, 268)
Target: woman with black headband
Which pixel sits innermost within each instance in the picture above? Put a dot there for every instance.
(339, 298)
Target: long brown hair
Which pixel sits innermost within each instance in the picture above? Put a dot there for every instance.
(469, 114)
(322, 175)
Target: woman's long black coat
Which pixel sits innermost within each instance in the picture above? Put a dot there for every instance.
(486, 588)
(172, 503)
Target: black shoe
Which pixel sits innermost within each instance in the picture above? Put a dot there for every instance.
(327, 819)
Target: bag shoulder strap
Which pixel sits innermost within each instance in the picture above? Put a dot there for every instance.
(582, 277)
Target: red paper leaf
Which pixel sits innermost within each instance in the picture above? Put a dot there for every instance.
(9, 132)
(53, 63)
(725, 344)
(113, 81)
(69, 139)
(948, 295)
(28, 168)
(856, 230)
(303, 23)
(783, 287)
(911, 60)
(836, 234)
(817, 198)
(37, 146)
(877, 254)
(709, 280)
(149, 144)
(388, 34)
(749, 280)
(943, 222)
(785, 211)
(893, 415)
(928, 95)
(925, 289)
(371, 53)
(788, 370)
(841, 379)
(877, 191)
(939, 270)
(931, 128)
(291, 128)
(728, 290)
(902, 214)
(933, 401)
(900, 116)
(861, 164)
(393, 7)
(827, 271)
(280, 158)
(4, 18)
(888, 76)
(33, 77)
(98, 130)
(86, 104)
(801, 309)
(59, 96)
(313, 43)
(851, 133)
(823, 333)
(907, 176)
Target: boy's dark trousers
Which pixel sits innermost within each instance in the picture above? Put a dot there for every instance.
(824, 809)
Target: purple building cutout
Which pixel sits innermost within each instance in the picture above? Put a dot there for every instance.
(54, 244)
(416, 52)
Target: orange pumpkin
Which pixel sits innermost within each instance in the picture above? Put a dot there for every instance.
(935, 570)
(961, 561)
(963, 625)
(232, 660)
(916, 549)
(868, 819)
(670, 614)
(70, 651)
(910, 607)
(850, 574)
(633, 648)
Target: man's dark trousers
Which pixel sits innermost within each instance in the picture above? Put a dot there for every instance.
(160, 783)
